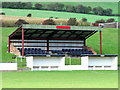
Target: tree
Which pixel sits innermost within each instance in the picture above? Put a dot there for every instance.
(70, 8)
(83, 9)
(27, 5)
(100, 21)
(98, 10)
(110, 20)
(72, 21)
(38, 6)
(55, 6)
(80, 8)
(108, 12)
(84, 20)
(49, 22)
(2, 13)
(17, 5)
(29, 15)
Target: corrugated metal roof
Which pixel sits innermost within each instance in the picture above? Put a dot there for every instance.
(54, 32)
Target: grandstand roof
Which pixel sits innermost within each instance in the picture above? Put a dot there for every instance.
(54, 32)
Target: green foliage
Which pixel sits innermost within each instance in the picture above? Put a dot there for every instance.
(105, 5)
(49, 22)
(81, 23)
(2, 13)
(70, 8)
(100, 21)
(29, 15)
(84, 20)
(79, 8)
(83, 9)
(55, 6)
(17, 5)
(72, 21)
(107, 12)
(110, 20)
(98, 10)
(38, 6)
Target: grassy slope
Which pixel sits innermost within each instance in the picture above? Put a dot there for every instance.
(61, 79)
(60, 15)
(105, 5)
(110, 42)
(6, 57)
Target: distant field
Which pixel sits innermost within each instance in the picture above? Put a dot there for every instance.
(60, 15)
(60, 79)
(112, 5)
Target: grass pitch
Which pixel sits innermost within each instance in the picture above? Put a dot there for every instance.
(61, 79)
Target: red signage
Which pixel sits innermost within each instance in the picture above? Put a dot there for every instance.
(63, 27)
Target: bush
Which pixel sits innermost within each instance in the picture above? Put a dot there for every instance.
(2, 13)
(110, 20)
(38, 6)
(49, 22)
(100, 21)
(29, 15)
(72, 21)
(84, 20)
(84, 24)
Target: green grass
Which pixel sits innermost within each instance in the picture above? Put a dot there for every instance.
(60, 15)
(109, 39)
(73, 61)
(60, 79)
(6, 57)
(105, 5)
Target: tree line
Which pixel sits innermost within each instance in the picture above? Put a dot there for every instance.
(59, 7)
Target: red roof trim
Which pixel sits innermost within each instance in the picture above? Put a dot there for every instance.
(63, 27)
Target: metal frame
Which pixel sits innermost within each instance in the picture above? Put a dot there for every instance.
(24, 27)
(100, 42)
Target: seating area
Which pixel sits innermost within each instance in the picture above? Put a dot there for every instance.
(38, 51)
(33, 51)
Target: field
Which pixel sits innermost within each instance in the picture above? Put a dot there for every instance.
(60, 15)
(110, 46)
(61, 79)
(105, 5)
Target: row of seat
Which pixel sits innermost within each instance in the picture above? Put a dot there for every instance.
(59, 52)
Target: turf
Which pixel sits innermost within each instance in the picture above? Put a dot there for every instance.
(6, 57)
(72, 61)
(61, 79)
(60, 15)
(109, 41)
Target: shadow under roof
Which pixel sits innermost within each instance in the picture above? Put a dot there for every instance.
(32, 32)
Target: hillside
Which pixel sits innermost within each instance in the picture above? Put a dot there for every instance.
(60, 15)
(110, 46)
